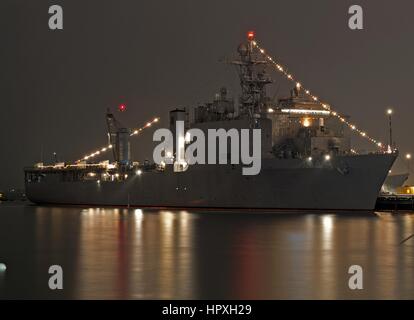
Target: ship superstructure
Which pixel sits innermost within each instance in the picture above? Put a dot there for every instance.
(307, 160)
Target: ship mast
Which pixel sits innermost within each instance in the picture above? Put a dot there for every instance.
(253, 80)
(118, 136)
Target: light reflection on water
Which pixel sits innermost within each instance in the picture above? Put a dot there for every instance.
(147, 254)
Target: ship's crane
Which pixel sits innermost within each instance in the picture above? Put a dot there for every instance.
(118, 139)
(118, 136)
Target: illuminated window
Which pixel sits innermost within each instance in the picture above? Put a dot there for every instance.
(306, 122)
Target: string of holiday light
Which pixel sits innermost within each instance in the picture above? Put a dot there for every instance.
(283, 70)
(109, 147)
(149, 124)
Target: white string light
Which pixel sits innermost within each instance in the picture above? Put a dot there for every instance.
(109, 147)
(149, 124)
(308, 92)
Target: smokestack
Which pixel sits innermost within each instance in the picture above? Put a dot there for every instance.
(123, 146)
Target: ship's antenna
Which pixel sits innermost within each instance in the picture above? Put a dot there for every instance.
(253, 81)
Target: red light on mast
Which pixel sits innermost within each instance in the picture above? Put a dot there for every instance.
(250, 35)
(122, 107)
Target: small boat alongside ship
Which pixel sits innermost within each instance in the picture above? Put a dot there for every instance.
(395, 202)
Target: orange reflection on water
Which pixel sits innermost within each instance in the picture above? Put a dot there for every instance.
(144, 254)
(128, 255)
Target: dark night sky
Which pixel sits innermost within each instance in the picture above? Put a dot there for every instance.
(56, 85)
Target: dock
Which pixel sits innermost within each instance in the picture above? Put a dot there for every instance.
(395, 202)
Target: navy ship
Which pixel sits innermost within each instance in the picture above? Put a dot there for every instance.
(306, 159)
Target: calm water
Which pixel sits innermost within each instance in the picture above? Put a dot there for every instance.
(147, 254)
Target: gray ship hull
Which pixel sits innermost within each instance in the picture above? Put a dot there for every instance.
(344, 183)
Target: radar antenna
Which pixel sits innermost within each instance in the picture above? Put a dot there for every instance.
(253, 79)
